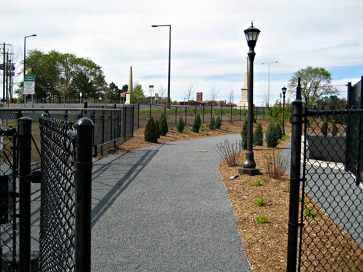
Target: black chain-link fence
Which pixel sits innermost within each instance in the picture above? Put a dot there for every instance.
(57, 214)
(65, 215)
(332, 201)
(8, 187)
(326, 197)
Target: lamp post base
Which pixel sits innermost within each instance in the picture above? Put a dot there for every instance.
(249, 171)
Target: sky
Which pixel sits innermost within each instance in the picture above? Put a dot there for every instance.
(208, 46)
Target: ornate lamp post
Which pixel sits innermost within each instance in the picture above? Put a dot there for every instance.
(169, 61)
(249, 166)
(283, 109)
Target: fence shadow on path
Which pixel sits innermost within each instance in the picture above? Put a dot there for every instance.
(112, 175)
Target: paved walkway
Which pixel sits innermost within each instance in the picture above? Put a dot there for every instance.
(165, 208)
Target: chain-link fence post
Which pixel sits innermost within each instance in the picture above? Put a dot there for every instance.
(83, 187)
(25, 130)
(297, 110)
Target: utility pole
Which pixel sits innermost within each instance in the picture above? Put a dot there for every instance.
(4, 71)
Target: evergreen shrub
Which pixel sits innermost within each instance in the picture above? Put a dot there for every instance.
(272, 135)
(218, 122)
(163, 125)
(324, 129)
(212, 123)
(197, 123)
(258, 135)
(244, 134)
(157, 128)
(180, 125)
(150, 134)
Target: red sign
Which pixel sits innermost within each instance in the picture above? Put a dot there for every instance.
(122, 94)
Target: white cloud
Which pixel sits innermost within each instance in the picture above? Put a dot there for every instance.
(207, 38)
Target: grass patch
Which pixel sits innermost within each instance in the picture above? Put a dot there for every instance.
(262, 219)
(259, 202)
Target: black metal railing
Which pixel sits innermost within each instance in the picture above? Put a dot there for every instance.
(113, 125)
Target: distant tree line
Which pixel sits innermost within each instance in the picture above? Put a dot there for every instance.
(65, 77)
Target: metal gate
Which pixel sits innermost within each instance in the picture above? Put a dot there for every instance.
(65, 210)
(8, 203)
(326, 190)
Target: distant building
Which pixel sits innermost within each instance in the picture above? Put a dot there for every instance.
(199, 97)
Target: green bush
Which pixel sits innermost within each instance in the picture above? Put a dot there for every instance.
(278, 131)
(180, 125)
(157, 128)
(324, 129)
(212, 123)
(218, 122)
(272, 135)
(163, 125)
(244, 134)
(334, 130)
(258, 135)
(197, 123)
(150, 134)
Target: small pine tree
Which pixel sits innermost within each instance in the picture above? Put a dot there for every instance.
(271, 135)
(334, 130)
(163, 125)
(197, 123)
(180, 125)
(150, 134)
(278, 131)
(157, 128)
(244, 134)
(324, 129)
(212, 123)
(258, 135)
(218, 122)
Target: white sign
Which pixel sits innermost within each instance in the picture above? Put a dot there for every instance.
(29, 84)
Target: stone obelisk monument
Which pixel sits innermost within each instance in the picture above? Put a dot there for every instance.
(130, 88)
(243, 102)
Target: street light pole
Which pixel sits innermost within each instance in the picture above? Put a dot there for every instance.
(283, 109)
(249, 166)
(33, 35)
(268, 86)
(169, 61)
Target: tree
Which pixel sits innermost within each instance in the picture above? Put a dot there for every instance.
(212, 123)
(163, 124)
(197, 123)
(213, 92)
(180, 125)
(258, 135)
(138, 94)
(150, 133)
(189, 90)
(272, 136)
(244, 134)
(113, 92)
(315, 83)
(218, 122)
(64, 76)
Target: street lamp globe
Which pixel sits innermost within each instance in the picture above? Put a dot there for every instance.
(251, 34)
(284, 89)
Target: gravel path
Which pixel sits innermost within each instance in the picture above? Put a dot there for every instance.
(165, 208)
